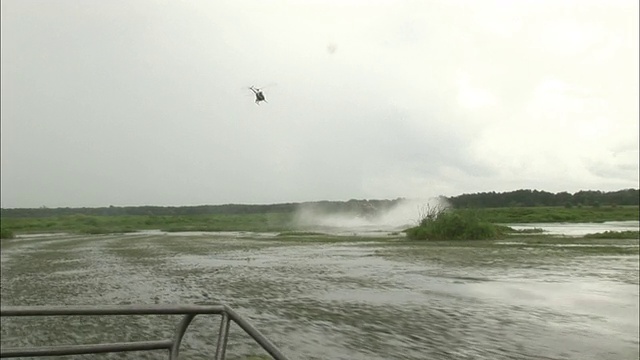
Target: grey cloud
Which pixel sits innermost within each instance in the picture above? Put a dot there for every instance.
(130, 103)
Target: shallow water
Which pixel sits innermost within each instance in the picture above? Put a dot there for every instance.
(579, 229)
(348, 300)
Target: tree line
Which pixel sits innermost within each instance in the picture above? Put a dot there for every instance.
(528, 198)
(518, 198)
(351, 206)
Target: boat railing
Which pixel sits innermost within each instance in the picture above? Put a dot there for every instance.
(171, 345)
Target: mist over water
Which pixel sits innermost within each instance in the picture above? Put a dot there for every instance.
(405, 213)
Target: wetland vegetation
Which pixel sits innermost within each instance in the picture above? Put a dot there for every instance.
(484, 220)
(493, 293)
(5, 233)
(438, 223)
(104, 224)
(609, 234)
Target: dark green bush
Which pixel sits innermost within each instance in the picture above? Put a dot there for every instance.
(454, 225)
(6, 234)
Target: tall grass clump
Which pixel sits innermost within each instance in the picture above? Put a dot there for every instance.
(438, 223)
(6, 233)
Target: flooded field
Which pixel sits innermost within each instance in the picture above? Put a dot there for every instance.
(326, 298)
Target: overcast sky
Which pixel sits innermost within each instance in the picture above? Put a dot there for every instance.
(146, 102)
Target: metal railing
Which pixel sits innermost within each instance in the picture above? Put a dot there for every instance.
(172, 345)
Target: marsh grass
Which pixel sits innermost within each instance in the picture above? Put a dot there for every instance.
(6, 233)
(525, 231)
(442, 224)
(614, 235)
(87, 224)
(284, 223)
(543, 214)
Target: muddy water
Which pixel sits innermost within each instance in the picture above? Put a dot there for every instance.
(579, 229)
(346, 300)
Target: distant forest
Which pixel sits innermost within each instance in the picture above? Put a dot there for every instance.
(528, 198)
(518, 198)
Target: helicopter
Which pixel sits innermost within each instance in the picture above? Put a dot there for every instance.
(258, 93)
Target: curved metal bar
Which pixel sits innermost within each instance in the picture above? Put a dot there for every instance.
(86, 349)
(182, 328)
(111, 310)
(190, 311)
(255, 334)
